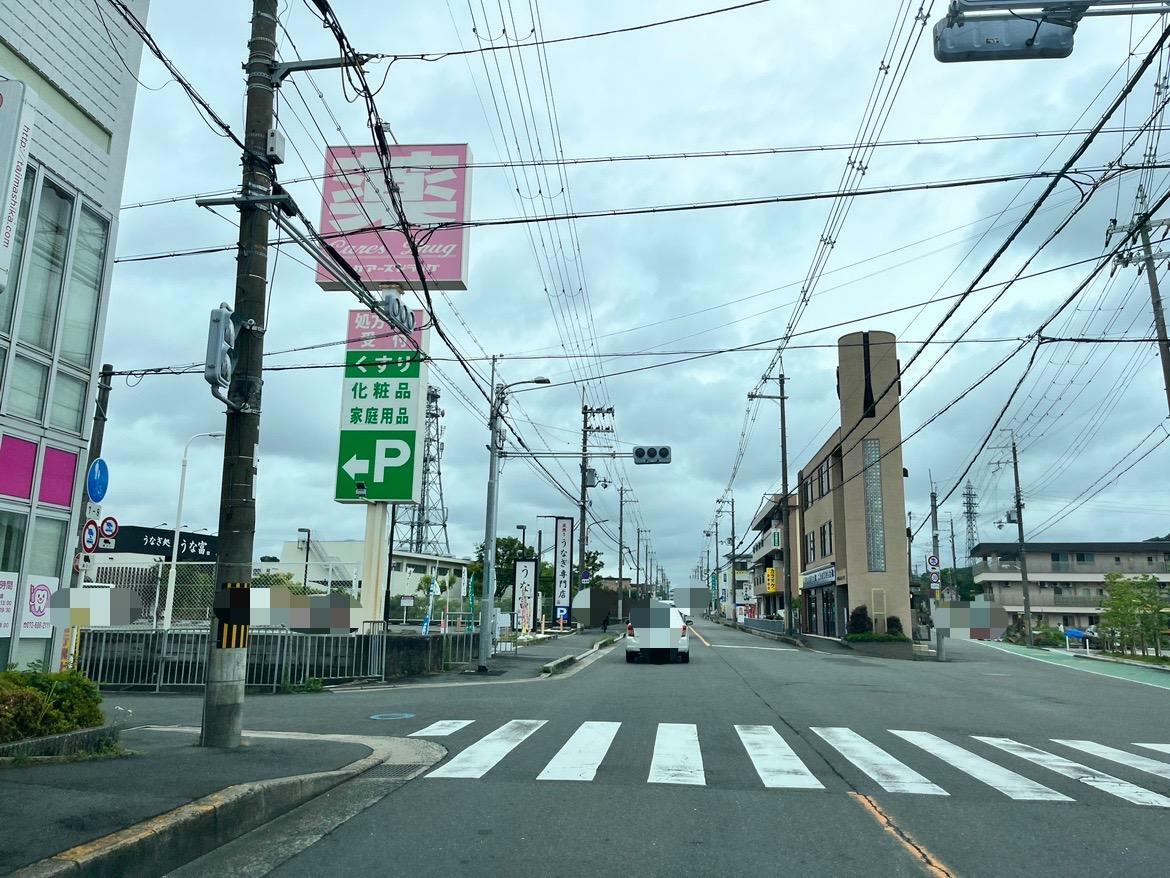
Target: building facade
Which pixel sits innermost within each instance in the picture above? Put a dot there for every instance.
(734, 599)
(767, 554)
(852, 498)
(1066, 581)
(67, 91)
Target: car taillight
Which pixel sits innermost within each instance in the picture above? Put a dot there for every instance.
(629, 629)
(684, 631)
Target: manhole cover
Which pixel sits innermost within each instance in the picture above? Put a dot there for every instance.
(391, 771)
(392, 716)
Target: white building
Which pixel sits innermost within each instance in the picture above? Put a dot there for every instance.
(67, 85)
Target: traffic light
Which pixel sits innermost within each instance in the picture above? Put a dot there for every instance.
(221, 349)
(651, 454)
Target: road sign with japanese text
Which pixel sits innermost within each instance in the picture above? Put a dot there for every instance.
(383, 402)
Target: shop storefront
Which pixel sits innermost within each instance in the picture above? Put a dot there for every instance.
(823, 601)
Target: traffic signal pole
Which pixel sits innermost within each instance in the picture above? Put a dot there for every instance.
(223, 694)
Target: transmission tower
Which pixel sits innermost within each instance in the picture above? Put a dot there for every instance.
(422, 526)
(971, 513)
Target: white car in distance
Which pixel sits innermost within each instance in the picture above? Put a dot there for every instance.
(657, 631)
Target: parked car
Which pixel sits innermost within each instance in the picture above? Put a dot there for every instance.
(657, 632)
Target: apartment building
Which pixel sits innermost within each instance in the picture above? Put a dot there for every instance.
(67, 91)
(734, 599)
(767, 553)
(852, 498)
(1066, 581)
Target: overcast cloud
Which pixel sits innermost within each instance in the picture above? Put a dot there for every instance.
(777, 74)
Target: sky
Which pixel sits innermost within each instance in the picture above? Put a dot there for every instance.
(775, 74)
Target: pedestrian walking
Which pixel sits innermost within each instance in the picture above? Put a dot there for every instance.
(605, 624)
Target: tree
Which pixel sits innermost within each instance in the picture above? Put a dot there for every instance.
(1133, 613)
(962, 579)
(508, 551)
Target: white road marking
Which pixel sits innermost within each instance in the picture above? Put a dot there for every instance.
(775, 762)
(1161, 748)
(1107, 783)
(893, 776)
(766, 648)
(442, 728)
(582, 753)
(1012, 785)
(483, 755)
(677, 758)
(1141, 763)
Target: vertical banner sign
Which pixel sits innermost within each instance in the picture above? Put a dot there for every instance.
(34, 616)
(7, 603)
(383, 403)
(357, 213)
(16, 125)
(562, 568)
(524, 597)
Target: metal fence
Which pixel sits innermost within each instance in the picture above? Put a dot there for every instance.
(195, 585)
(144, 658)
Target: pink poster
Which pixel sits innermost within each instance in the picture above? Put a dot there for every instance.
(7, 603)
(358, 220)
(34, 616)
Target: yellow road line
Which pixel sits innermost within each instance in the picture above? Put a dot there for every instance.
(915, 849)
(700, 636)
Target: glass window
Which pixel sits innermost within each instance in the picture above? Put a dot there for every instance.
(12, 528)
(46, 267)
(85, 287)
(875, 522)
(26, 391)
(68, 403)
(8, 294)
(47, 547)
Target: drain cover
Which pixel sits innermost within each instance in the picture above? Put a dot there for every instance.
(394, 771)
(392, 716)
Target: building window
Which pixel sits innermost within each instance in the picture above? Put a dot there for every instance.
(1067, 621)
(875, 531)
(1116, 559)
(68, 403)
(26, 390)
(8, 294)
(47, 546)
(1056, 589)
(46, 267)
(823, 478)
(810, 548)
(12, 529)
(1085, 557)
(826, 539)
(85, 287)
(1093, 620)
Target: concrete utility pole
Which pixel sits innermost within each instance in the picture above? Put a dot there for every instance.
(621, 540)
(1150, 259)
(784, 503)
(96, 437)
(933, 519)
(223, 693)
(586, 428)
(638, 561)
(1023, 554)
(954, 557)
(487, 602)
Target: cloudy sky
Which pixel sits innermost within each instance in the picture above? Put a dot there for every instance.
(777, 74)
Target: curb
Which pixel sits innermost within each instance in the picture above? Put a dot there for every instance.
(161, 844)
(1116, 661)
(65, 743)
(558, 665)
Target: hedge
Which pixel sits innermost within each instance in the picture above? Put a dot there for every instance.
(34, 704)
(871, 637)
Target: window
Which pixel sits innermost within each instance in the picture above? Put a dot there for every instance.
(1085, 557)
(68, 403)
(1067, 621)
(1059, 556)
(1056, 589)
(8, 294)
(46, 267)
(47, 546)
(26, 391)
(85, 287)
(1149, 559)
(875, 531)
(826, 539)
(12, 528)
(829, 527)
(810, 547)
(1116, 559)
(823, 478)
(1093, 620)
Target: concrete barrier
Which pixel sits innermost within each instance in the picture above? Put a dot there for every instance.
(558, 665)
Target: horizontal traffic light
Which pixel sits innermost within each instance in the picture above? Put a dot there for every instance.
(651, 454)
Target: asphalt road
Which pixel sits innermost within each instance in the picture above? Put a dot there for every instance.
(754, 758)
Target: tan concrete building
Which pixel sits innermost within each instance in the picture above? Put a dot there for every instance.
(852, 498)
(1066, 581)
(767, 553)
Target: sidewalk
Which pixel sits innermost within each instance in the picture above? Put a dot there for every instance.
(47, 809)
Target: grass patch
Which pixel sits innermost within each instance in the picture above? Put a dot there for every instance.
(313, 684)
(112, 750)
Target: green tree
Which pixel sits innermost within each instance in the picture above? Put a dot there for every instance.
(962, 579)
(508, 551)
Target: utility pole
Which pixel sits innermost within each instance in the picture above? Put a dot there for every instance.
(1023, 554)
(1150, 259)
(586, 428)
(223, 694)
(933, 519)
(734, 583)
(96, 437)
(621, 538)
(781, 397)
(954, 558)
(910, 544)
(487, 601)
(638, 560)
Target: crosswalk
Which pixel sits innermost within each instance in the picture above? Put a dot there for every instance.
(677, 758)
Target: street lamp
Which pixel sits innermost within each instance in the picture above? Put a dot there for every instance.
(308, 532)
(487, 605)
(523, 528)
(170, 601)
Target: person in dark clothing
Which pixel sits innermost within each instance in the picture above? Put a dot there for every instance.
(605, 624)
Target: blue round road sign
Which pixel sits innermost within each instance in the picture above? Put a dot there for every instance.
(97, 480)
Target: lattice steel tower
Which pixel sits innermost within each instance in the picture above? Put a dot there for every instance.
(971, 514)
(422, 527)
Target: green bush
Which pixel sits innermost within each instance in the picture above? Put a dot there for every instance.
(894, 625)
(871, 637)
(26, 713)
(859, 621)
(70, 694)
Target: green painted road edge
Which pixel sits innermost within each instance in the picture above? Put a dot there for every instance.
(1143, 676)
